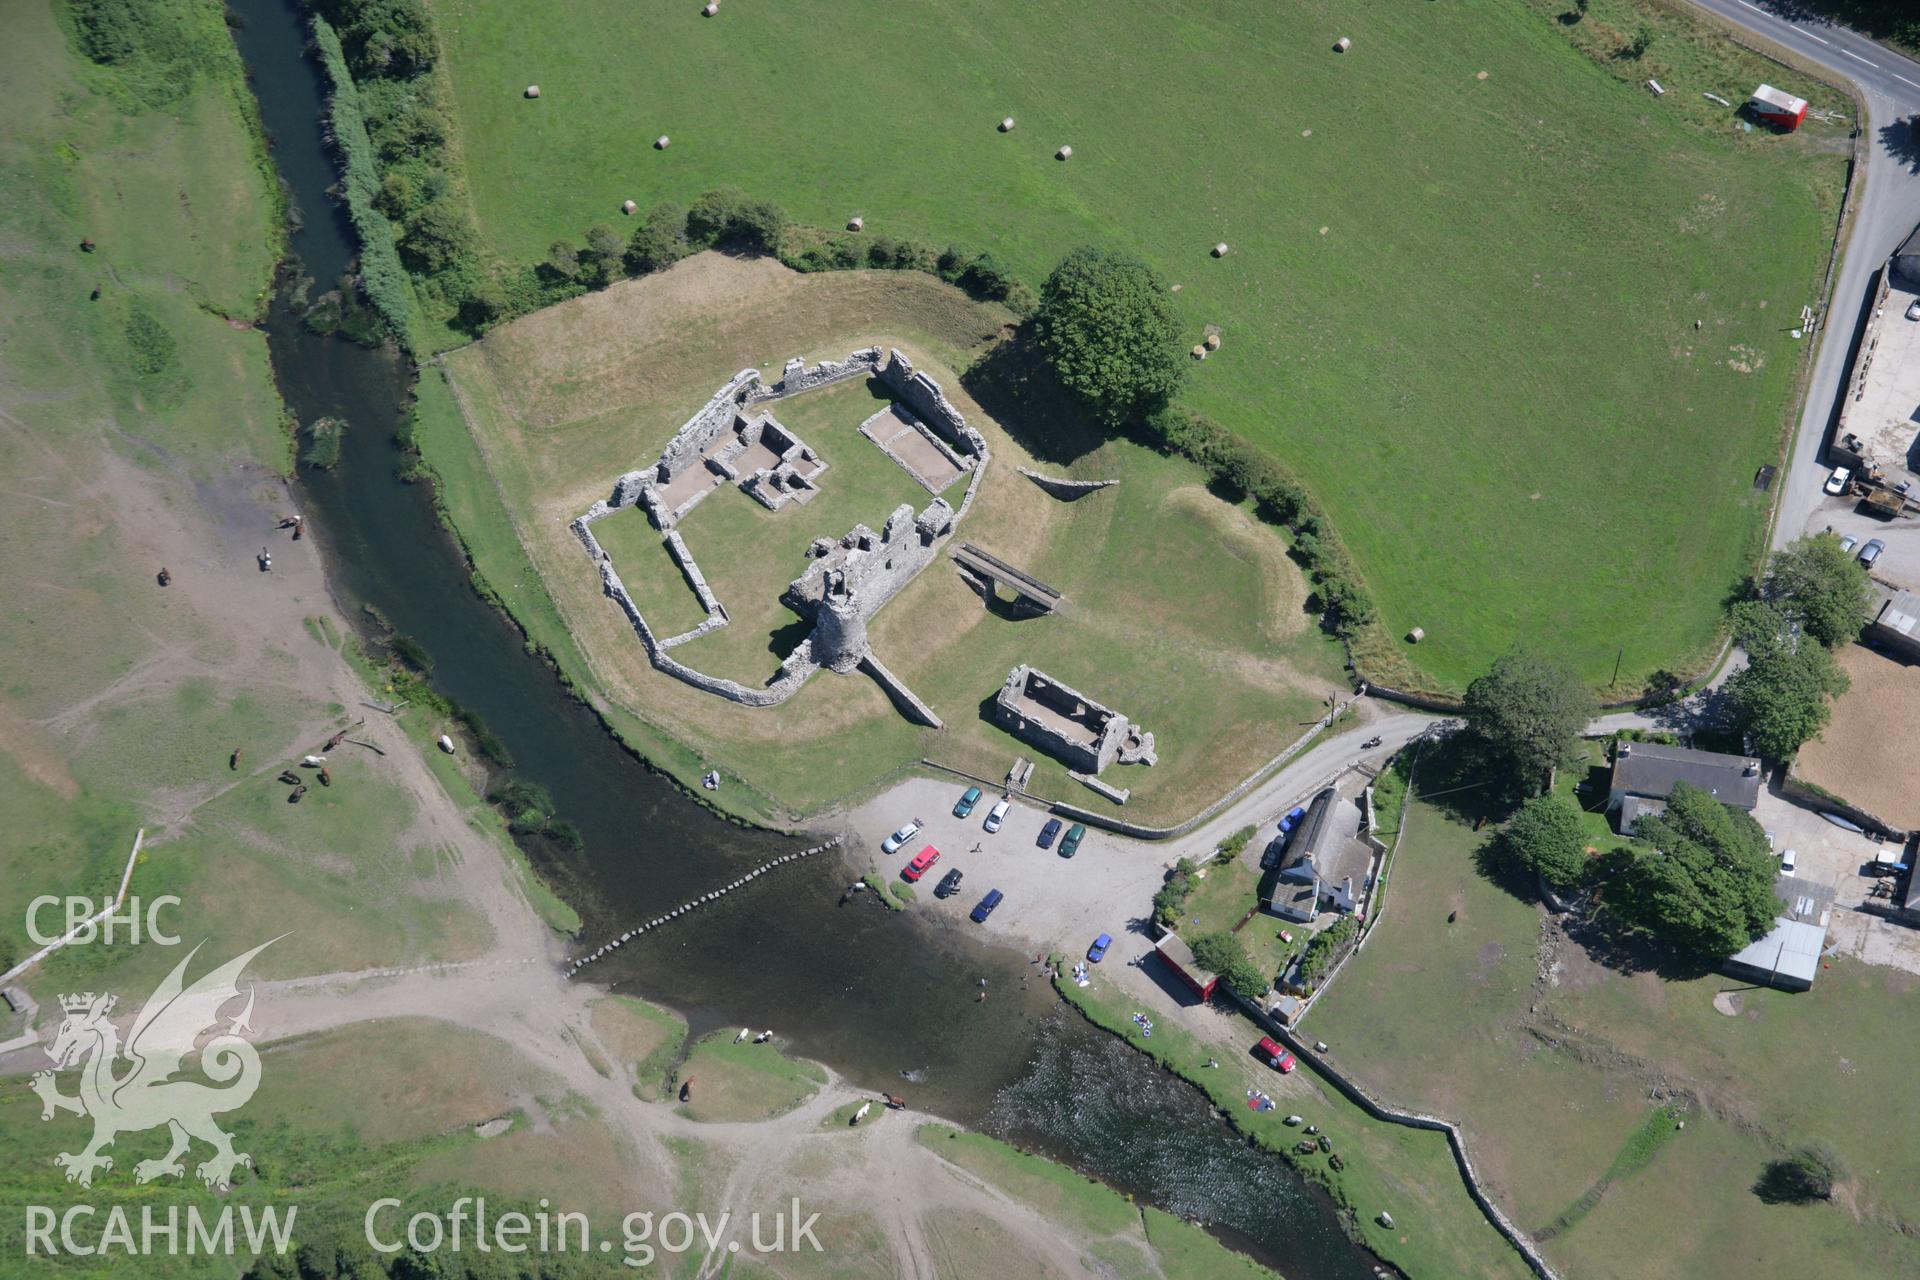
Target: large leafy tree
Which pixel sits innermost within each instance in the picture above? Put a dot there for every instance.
(1700, 875)
(1817, 583)
(1224, 954)
(1529, 712)
(1107, 327)
(1782, 696)
(1546, 837)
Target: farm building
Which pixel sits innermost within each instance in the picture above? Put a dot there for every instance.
(1788, 956)
(1777, 107)
(1179, 957)
(1321, 862)
(1644, 774)
(1896, 627)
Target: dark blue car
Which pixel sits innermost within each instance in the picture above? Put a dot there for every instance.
(987, 904)
(1048, 832)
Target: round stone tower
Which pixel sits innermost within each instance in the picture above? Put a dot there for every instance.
(839, 632)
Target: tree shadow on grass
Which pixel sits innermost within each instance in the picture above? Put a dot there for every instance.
(1607, 942)
(1456, 776)
(1497, 864)
(1014, 384)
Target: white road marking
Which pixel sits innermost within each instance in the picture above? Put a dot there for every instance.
(1857, 58)
(1809, 35)
(1903, 80)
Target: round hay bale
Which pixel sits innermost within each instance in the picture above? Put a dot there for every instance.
(1220, 250)
(533, 91)
(1481, 76)
(1006, 124)
(1200, 351)
(1416, 635)
(1064, 153)
(662, 142)
(1306, 133)
(856, 223)
(1342, 45)
(713, 7)
(1213, 342)
(1175, 288)
(627, 207)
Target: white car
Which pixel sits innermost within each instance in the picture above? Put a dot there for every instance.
(1837, 482)
(1787, 862)
(901, 836)
(998, 814)
(1913, 310)
(1848, 541)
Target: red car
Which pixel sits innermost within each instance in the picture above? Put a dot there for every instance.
(1274, 1056)
(921, 861)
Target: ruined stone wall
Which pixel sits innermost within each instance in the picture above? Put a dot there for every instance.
(792, 674)
(797, 376)
(1103, 736)
(706, 426)
(905, 545)
(924, 396)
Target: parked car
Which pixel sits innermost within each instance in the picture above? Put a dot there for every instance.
(1071, 845)
(1293, 815)
(1788, 861)
(968, 798)
(1848, 541)
(1871, 552)
(921, 861)
(949, 884)
(1098, 951)
(986, 906)
(998, 814)
(1837, 482)
(900, 837)
(1274, 1056)
(1913, 309)
(1048, 832)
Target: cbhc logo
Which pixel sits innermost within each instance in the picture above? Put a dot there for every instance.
(85, 923)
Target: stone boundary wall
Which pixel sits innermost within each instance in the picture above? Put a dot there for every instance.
(904, 698)
(793, 672)
(797, 376)
(1064, 488)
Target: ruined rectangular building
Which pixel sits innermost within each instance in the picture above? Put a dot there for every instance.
(1067, 724)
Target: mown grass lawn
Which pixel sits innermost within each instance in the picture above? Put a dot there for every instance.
(1524, 336)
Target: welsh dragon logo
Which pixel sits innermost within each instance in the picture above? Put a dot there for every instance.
(129, 1089)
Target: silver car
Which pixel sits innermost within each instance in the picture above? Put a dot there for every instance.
(1871, 552)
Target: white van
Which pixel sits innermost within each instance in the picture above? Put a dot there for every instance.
(1787, 860)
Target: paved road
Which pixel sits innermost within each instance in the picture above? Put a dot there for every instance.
(1888, 208)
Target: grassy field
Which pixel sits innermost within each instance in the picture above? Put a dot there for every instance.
(1558, 1082)
(1438, 1230)
(1184, 611)
(1434, 236)
(734, 1080)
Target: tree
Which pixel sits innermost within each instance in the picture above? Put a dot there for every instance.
(1107, 328)
(605, 257)
(1700, 875)
(1642, 41)
(1224, 954)
(660, 241)
(1780, 698)
(1530, 713)
(1807, 1175)
(1817, 583)
(1546, 837)
(562, 261)
(1171, 898)
(438, 237)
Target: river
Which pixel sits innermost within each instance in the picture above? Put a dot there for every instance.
(872, 992)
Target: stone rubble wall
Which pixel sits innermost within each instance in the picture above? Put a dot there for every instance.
(1090, 758)
(697, 580)
(793, 672)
